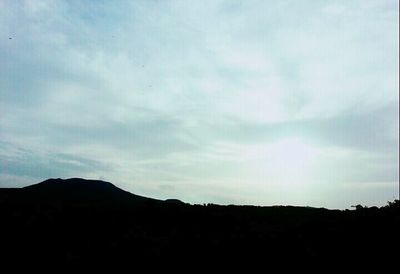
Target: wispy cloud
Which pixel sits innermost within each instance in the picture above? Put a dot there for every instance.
(156, 93)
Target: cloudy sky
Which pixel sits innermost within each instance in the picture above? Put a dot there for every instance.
(244, 102)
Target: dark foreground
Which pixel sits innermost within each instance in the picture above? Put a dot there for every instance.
(92, 223)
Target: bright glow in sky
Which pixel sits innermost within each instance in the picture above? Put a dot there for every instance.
(245, 102)
(291, 161)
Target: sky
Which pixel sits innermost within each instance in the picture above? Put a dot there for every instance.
(232, 102)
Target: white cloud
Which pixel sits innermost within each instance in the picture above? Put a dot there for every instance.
(186, 94)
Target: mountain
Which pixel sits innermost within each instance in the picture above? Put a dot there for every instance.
(76, 190)
(77, 222)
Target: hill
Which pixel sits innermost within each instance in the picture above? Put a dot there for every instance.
(79, 222)
(77, 190)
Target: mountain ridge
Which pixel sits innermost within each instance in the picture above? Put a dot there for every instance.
(74, 190)
(78, 222)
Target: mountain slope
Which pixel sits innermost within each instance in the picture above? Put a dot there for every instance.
(78, 222)
(76, 190)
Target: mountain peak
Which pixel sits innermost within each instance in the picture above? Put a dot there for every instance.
(74, 184)
(78, 189)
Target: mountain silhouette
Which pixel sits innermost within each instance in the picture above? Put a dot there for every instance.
(78, 222)
(80, 190)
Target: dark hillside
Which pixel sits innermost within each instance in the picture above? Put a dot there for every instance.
(77, 222)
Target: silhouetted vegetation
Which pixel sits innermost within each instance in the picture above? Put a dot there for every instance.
(93, 223)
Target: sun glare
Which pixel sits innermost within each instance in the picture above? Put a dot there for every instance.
(291, 161)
